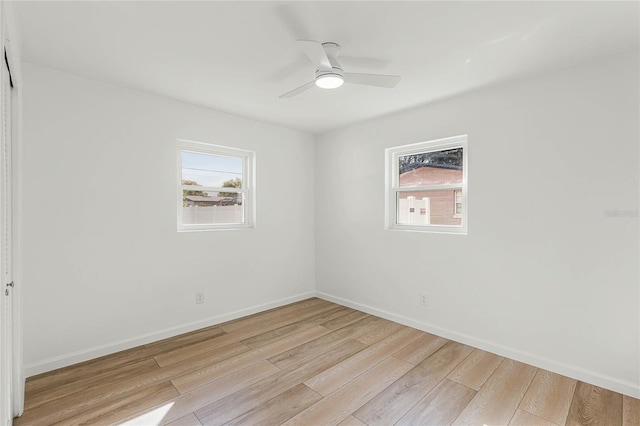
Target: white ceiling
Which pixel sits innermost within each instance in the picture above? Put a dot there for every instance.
(238, 57)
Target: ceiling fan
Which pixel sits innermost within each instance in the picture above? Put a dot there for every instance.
(329, 72)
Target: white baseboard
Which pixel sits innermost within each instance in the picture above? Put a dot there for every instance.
(607, 382)
(109, 348)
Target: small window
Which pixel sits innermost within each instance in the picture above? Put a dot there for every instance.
(215, 187)
(427, 186)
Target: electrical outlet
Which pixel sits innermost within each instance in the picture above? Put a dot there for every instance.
(424, 299)
(199, 297)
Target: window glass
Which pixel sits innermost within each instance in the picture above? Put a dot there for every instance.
(210, 170)
(427, 208)
(430, 168)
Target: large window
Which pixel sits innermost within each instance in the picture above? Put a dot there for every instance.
(427, 186)
(216, 188)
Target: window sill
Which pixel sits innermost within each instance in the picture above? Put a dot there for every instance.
(216, 228)
(454, 230)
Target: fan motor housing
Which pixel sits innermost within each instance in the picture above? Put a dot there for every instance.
(336, 68)
(335, 72)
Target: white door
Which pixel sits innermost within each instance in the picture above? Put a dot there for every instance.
(6, 269)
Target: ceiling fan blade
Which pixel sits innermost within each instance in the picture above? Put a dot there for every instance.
(316, 54)
(380, 80)
(299, 90)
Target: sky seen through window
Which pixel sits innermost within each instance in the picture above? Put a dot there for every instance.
(210, 170)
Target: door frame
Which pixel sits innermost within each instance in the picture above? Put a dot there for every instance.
(16, 181)
(8, 34)
(6, 250)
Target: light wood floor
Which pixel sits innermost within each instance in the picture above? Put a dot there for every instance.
(315, 363)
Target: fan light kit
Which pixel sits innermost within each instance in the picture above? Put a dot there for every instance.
(329, 81)
(329, 72)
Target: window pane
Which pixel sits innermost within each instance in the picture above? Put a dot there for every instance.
(211, 170)
(427, 208)
(205, 207)
(430, 168)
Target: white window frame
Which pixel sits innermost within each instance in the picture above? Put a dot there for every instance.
(248, 184)
(392, 189)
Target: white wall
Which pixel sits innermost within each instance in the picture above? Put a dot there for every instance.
(543, 276)
(100, 277)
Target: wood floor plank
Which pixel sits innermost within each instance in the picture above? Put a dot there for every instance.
(214, 391)
(398, 398)
(421, 349)
(497, 400)
(182, 340)
(333, 378)
(110, 376)
(339, 405)
(474, 371)
(238, 334)
(524, 418)
(111, 412)
(270, 313)
(241, 402)
(252, 326)
(592, 405)
(384, 329)
(630, 411)
(344, 321)
(278, 333)
(276, 315)
(88, 369)
(204, 395)
(351, 421)
(200, 397)
(279, 409)
(284, 320)
(183, 354)
(549, 396)
(441, 406)
(105, 393)
(188, 420)
(153, 416)
(212, 372)
(308, 350)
